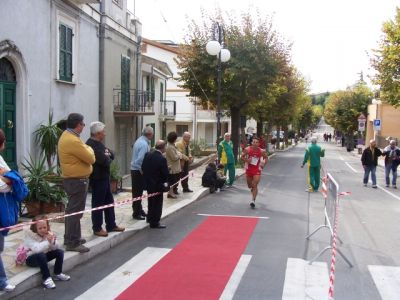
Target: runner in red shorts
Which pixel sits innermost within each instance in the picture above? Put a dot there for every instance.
(255, 159)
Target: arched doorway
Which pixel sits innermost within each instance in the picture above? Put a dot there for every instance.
(7, 110)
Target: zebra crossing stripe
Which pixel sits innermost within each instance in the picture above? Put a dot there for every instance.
(387, 281)
(115, 283)
(305, 281)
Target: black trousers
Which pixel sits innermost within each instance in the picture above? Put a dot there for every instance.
(101, 195)
(174, 179)
(155, 205)
(40, 260)
(137, 191)
(185, 172)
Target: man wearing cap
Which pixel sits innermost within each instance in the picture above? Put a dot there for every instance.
(392, 160)
(312, 157)
(76, 160)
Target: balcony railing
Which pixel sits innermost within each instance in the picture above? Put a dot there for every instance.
(133, 102)
(168, 109)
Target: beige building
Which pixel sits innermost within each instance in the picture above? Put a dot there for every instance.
(390, 123)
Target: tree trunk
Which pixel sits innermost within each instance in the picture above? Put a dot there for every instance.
(235, 122)
(260, 127)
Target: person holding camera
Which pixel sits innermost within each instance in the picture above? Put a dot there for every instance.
(155, 173)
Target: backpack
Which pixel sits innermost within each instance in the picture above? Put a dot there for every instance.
(21, 255)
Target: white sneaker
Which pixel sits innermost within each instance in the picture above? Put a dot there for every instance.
(62, 277)
(9, 288)
(49, 283)
(253, 204)
(218, 190)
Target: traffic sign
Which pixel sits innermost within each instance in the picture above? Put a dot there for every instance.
(377, 124)
(362, 118)
(361, 125)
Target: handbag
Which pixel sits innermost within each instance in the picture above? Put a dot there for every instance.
(21, 255)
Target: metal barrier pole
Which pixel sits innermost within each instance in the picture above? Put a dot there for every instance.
(329, 188)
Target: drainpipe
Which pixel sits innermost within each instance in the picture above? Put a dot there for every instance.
(139, 123)
(102, 32)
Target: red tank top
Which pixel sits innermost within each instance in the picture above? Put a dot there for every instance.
(254, 158)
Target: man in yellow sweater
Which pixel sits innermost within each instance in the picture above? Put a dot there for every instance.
(76, 159)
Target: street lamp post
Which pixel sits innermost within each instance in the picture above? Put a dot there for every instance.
(376, 102)
(216, 47)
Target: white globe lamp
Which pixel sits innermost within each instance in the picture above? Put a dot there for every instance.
(225, 55)
(213, 47)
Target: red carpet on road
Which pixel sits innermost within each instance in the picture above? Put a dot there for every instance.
(200, 266)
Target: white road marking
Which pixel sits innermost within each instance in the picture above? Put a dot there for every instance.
(389, 193)
(233, 216)
(119, 280)
(236, 277)
(341, 157)
(305, 281)
(354, 170)
(387, 281)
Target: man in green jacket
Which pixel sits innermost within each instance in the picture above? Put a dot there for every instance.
(226, 157)
(313, 157)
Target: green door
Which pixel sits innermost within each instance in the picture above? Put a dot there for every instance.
(125, 83)
(152, 125)
(7, 121)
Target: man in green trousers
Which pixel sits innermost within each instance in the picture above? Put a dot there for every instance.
(313, 158)
(226, 157)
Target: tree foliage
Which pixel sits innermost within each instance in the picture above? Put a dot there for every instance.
(386, 62)
(344, 107)
(258, 55)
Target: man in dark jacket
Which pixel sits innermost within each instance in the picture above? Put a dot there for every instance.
(369, 160)
(99, 181)
(155, 173)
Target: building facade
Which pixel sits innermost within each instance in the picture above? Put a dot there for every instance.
(200, 121)
(49, 61)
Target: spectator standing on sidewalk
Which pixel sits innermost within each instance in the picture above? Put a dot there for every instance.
(43, 247)
(140, 148)
(226, 157)
(99, 181)
(155, 172)
(183, 147)
(174, 164)
(4, 188)
(76, 160)
(392, 160)
(312, 157)
(369, 160)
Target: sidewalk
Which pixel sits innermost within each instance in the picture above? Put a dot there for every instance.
(26, 278)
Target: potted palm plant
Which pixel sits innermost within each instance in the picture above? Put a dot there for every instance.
(44, 196)
(47, 136)
(115, 176)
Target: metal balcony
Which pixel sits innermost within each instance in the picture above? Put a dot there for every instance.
(128, 103)
(168, 109)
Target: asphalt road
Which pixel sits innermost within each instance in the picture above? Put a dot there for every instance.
(367, 226)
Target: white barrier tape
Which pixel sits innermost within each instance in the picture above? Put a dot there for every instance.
(324, 189)
(115, 204)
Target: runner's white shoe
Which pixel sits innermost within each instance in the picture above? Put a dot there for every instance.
(253, 204)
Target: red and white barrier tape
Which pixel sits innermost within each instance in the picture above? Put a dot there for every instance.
(115, 204)
(324, 188)
(334, 249)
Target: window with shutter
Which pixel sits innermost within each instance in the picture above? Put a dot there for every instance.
(65, 55)
(161, 91)
(125, 83)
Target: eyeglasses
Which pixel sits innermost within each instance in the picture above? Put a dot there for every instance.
(83, 123)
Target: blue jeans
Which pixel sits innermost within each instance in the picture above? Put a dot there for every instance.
(388, 168)
(40, 260)
(3, 276)
(372, 170)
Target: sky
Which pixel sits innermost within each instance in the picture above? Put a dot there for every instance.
(332, 39)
